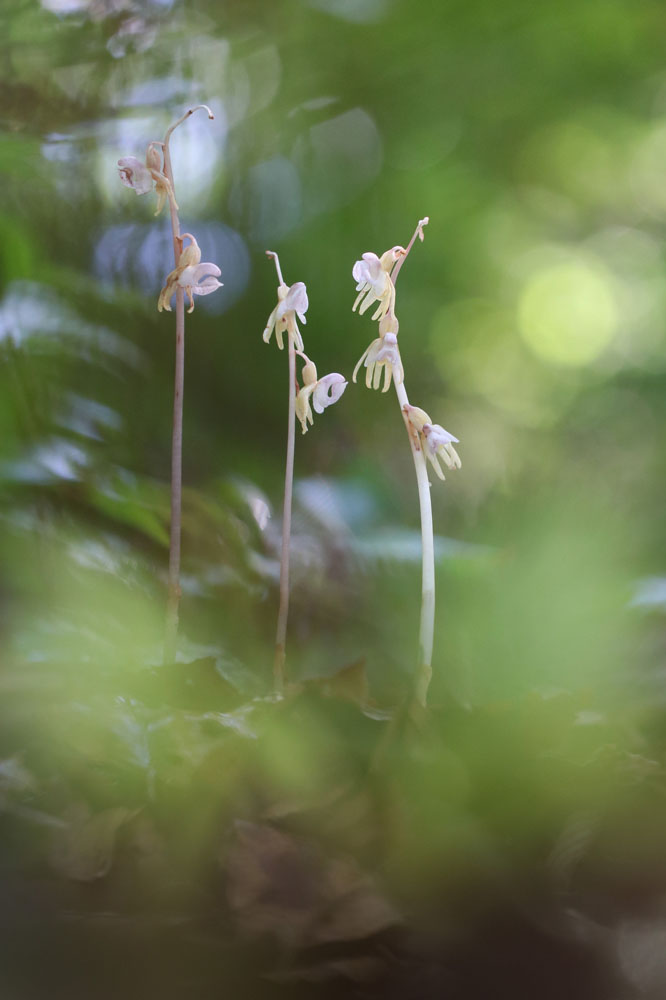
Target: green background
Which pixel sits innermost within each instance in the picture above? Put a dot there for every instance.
(532, 326)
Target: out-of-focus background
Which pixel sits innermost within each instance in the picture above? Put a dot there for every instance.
(533, 327)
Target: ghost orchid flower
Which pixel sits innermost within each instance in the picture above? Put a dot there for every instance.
(141, 176)
(191, 275)
(135, 174)
(382, 353)
(292, 302)
(437, 443)
(373, 277)
(321, 392)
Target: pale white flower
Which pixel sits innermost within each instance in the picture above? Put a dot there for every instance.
(436, 442)
(135, 174)
(292, 302)
(373, 277)
(200, 279)
(328, 390)
(382, 353)
(141, 176)
(321, 392)
(439, 444)
(194, 277)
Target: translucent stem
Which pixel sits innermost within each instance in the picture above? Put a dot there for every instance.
(427, 623)
(283, 610)
(173, 591)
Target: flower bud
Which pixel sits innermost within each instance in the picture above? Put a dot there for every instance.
(191, 254)
(309, 373)
(153, 158)
(388, 324)
(418, 418)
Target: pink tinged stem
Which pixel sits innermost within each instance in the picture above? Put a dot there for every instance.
(173, 588)
(283, 610)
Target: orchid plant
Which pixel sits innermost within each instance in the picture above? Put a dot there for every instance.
(190, 277)
(314, 392)
(376, 278)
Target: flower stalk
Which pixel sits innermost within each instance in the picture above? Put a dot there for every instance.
(376, 277)
(318, 392)
(192, 277)
(427, 619)
(283, 609)
(173, 585)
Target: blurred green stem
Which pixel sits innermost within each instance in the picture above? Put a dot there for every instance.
(173, 592)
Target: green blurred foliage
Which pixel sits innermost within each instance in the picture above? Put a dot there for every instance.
(532, 327)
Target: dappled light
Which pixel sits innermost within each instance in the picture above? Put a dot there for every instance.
(312, 689)
(567, 312)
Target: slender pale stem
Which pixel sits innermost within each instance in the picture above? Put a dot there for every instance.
(173, 592)
(427, 623)
(283, 611)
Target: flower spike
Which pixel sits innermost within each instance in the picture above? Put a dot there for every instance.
(376, 279)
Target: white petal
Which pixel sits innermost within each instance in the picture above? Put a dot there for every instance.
(297, 300)
(328, 391)
(205, 269)
(188, 276)
(135, 174)
(208, 285)
(437, 436)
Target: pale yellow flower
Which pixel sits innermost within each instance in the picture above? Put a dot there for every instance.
(435, 441)
(140, 176)
(191, 275)
(292, 302)
(321, 392)
(373, 277)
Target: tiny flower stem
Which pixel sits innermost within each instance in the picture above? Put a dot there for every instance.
(427, 624)
(173, 591)
(403, 257)
(283, 611)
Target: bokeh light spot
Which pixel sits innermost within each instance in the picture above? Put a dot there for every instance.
(567, 313)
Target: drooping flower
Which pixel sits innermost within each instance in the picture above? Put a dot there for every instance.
(373, 277)
(191, 275)
(436, 442)
(292, 302)
(135, 174)
(382, 353)
(321, 392)
(141, 176)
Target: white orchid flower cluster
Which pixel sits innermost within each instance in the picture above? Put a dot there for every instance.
(374, 284)
(190, 274)
(375, 277)
(320, 392)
